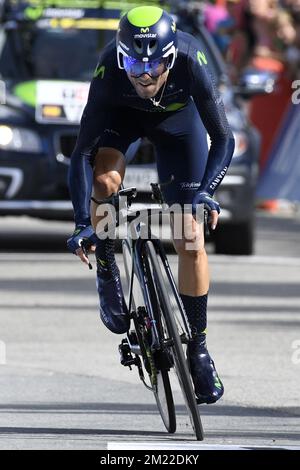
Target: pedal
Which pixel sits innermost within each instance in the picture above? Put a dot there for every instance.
(126, 357)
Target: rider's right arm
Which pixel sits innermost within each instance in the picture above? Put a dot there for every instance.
(81, 172)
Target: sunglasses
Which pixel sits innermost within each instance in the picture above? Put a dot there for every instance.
(154, 68)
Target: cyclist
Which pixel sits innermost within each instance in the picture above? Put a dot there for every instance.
(154, 81)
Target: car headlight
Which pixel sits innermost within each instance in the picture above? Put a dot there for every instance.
(241, 143)
(19, 139)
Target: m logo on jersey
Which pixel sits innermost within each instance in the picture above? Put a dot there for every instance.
(100, 70)
(145, 30)
(201, 58)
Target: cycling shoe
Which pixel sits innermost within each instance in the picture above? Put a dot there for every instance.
(113, 310)
(208, 386)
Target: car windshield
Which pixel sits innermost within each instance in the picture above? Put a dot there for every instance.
(68, 54)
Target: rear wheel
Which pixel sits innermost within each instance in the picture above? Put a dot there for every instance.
(175, 329)
(158, 376)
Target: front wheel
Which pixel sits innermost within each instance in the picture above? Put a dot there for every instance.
(175, 333)
(159, 377)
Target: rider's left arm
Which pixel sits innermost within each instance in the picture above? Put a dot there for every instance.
(211, 109)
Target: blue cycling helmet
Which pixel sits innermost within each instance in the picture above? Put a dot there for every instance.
(145, 35)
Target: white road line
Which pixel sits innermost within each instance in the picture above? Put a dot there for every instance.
(189, 446)
(214, 259)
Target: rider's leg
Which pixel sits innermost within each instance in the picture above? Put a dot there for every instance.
(109, 170)
(192, 258)
(193, 278)
(193, 270)
(181, 144)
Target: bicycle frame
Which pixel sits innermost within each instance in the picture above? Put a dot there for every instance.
(138, 268)
(136, 248)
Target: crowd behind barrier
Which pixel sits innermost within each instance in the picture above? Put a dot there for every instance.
(264, 35)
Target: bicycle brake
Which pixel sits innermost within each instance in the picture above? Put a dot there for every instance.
(206, 224)
(85, 247)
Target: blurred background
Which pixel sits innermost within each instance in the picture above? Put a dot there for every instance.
(61, 385)
(253, 50)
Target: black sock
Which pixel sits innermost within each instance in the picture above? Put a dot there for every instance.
(105, 257)
(196, 311)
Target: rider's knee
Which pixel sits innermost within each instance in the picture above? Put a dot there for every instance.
(190, 247)
(109, 170)
(107, 183)
(188, 237)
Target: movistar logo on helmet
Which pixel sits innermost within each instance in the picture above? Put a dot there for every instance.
(145, 30)
(148, 35)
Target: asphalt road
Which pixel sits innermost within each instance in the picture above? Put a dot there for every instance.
(61, 384)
